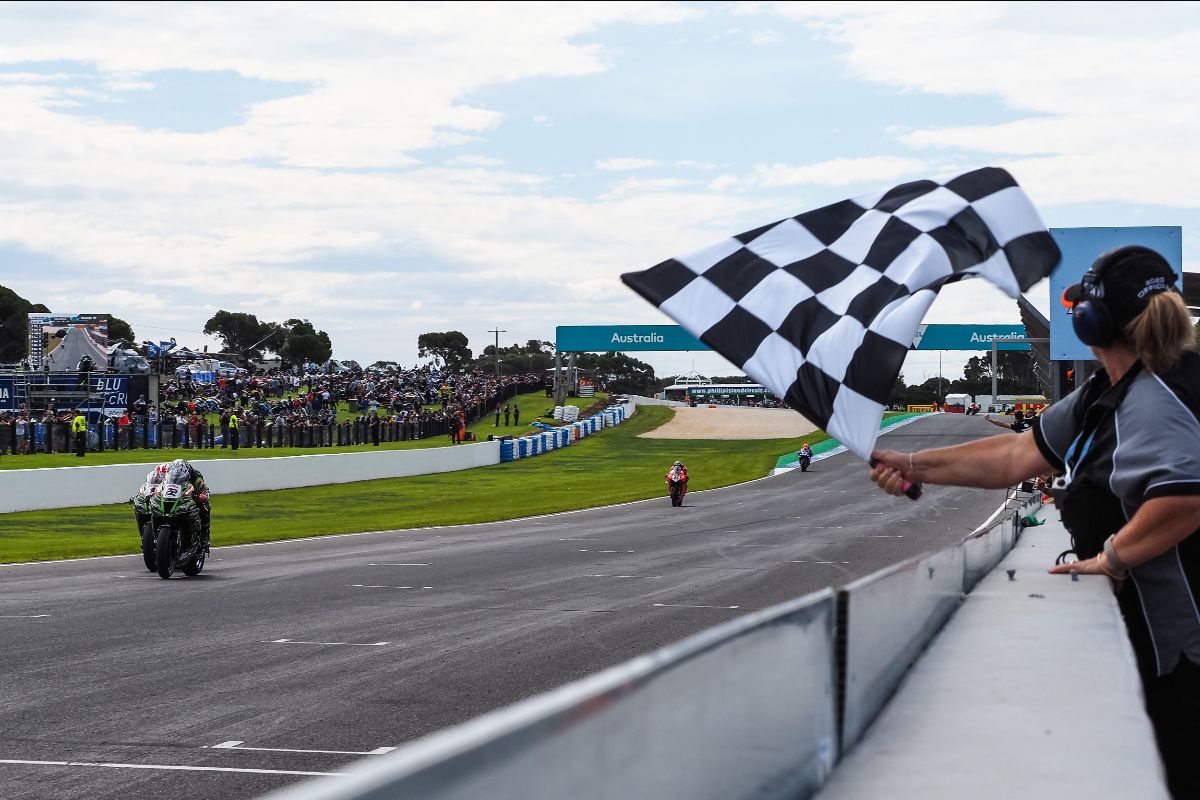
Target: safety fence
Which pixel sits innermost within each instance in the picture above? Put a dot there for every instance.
(57, 437)
(762, 707)
(137, 430)
(552, 438)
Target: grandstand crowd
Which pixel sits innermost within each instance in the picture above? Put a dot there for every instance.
(278, 408)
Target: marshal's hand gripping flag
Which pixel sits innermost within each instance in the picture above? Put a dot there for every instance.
(822, 307)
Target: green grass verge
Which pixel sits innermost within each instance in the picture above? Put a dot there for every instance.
(613, 466)
(532, 404)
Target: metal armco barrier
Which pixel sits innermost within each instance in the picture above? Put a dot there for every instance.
(760, 707)
(889, 617)
(744, 710)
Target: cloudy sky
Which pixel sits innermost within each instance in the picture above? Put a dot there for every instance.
(385, 170)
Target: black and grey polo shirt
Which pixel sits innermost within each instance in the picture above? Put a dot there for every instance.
(1147, 447)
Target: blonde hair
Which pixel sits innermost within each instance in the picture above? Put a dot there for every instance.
(1161, 333)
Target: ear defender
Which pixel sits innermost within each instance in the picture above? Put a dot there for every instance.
(1093, 323)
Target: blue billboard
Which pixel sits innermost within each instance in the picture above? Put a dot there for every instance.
(969, 337)
(602, 338)
(1080, 247)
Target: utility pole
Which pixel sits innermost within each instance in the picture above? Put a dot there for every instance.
(497, 331)
(940, 396)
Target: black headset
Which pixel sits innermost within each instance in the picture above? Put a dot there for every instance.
(1092, 320)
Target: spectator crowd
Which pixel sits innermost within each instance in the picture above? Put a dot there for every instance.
(283, 409)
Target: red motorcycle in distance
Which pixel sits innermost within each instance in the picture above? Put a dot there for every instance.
(677, 484)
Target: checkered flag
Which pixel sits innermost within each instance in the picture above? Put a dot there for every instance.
(821, 308)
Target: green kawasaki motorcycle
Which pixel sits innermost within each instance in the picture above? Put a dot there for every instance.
(168, 519)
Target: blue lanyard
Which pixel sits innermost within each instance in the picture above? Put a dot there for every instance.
(1087, 445)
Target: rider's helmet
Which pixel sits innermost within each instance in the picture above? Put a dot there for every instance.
(178, 471)
(678, 464)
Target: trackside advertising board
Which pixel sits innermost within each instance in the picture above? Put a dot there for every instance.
(969, 337)
(603, 338)
(1080, 247)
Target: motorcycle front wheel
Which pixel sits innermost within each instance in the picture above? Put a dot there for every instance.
(148, 547)
(194, 565)
(164, 557)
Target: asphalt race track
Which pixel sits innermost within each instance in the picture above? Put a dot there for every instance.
(351, 644)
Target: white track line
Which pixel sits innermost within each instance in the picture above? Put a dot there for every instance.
(376, 586)
(237, 745)
(331, 644)
(169, 767)
(683, 605)
(24, 616)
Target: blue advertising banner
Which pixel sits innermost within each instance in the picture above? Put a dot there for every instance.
(969, 337)
(1080, 247)
(603, 338)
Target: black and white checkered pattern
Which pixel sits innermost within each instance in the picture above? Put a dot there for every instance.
(821, 308)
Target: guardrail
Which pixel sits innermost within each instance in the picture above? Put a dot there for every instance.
(639, 730)
(67, 487)
(761, 707)
(40, 489)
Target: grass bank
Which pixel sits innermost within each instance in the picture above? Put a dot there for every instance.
(613, 466)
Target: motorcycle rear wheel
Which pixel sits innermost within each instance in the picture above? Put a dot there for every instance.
(148, 547)
(164, 557)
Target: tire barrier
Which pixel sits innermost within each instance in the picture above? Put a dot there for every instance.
(546, 440)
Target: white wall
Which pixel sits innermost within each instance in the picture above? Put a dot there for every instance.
(65, 487)
(654, 401)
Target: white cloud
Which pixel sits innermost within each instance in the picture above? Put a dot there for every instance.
(723, 183)
(477, 161)
(624, 164)
(233, 218)
(762, 38)
(839, 171)
(646, 185)
(1104, 96)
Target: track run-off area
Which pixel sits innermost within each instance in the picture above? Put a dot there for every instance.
(289, 659)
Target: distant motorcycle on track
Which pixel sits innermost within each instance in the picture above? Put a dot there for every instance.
(677, 484)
